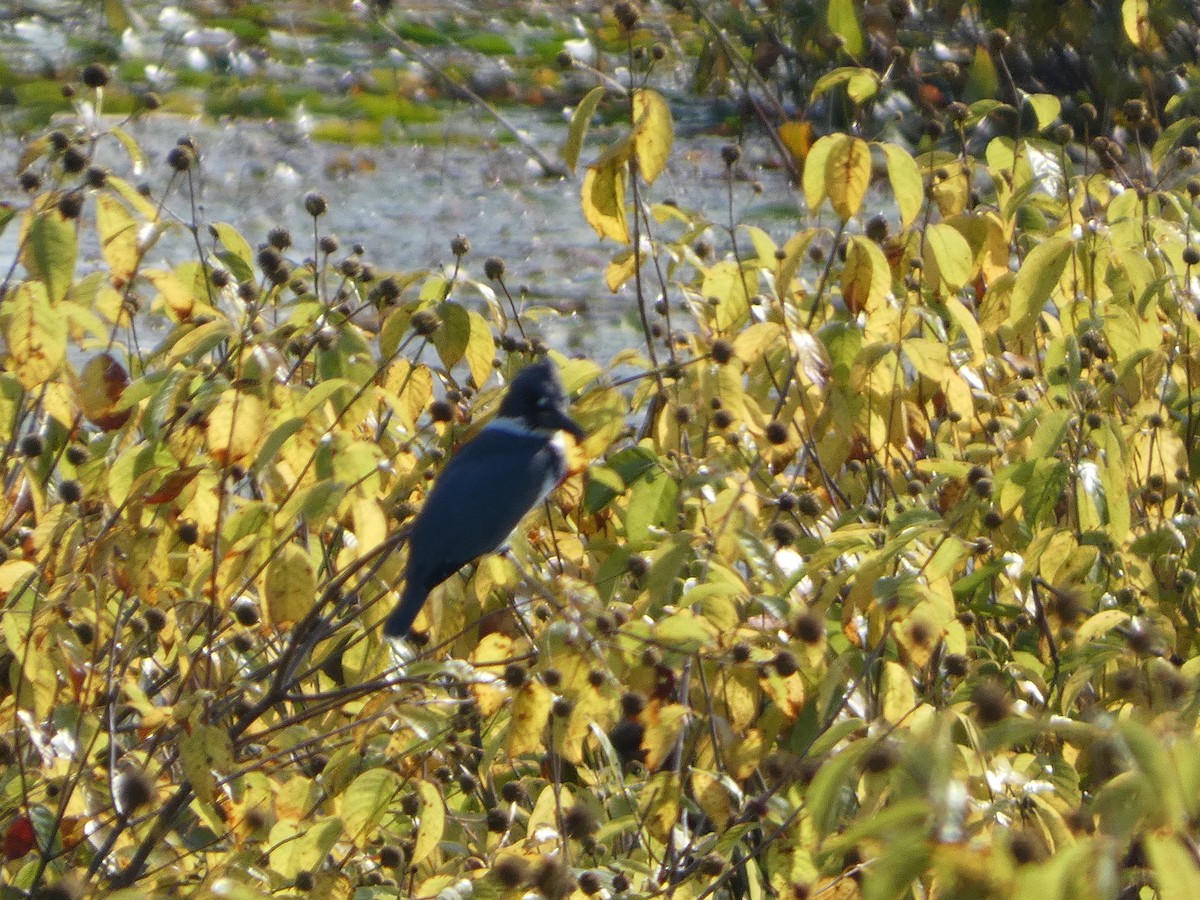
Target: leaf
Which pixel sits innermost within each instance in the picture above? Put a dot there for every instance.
(866, 276)
(814, 180)
(530, 713)
(235, 428)
(662, 732)
(797, 137)
(1135, 17)
(847, 175)
(1046, 108)
(118, 237)
(653, 133)
(905, 179)
(366, 801)
(36, 334)
(454, 336)
(1176, 874)
(101, 384)
(861, 84)
(290, 585)
(303, 847)
(238, 255)
(481, 348)
(898, 694)
(843, 21)
(727, 284)
(581, 119)
(1038, 276)
(49, 252)
(652, 502)
(604, 199)
(205, 749)
(433, 822)
(948, 257)
(1171, 136)
(983, 79)
(178, 297)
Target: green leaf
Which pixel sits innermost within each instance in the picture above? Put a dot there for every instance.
(652, 503)
(842, 20)
(366, 801)
(861, 84)
(238, 256)
(49, 253)
(1038, 276)
(581, 119)
(1171, 136)
(983, 80)
(1046, 108)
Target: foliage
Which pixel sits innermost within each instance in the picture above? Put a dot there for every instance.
(880, 578)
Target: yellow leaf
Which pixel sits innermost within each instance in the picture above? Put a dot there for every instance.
(620, 270)
(235, 427)
(661, 803)
(36, 334)
(653, 132)
(433, 821)
(1135, 17)
(591, 707)
(847, 174)
(797, 137)
(663, 725)
(118, 236)
(604, 199)
(727, 287)
(370, 524)
(178, 297)
(530, 712)
(16, 574)
(899, 695)
(866, 277)
(481, 348)
(290, 585)
(814, 181)
(205, 749)
(947, 257)
(905, 179)
(490, 655)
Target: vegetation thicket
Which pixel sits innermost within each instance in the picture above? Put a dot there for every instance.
(880, 578)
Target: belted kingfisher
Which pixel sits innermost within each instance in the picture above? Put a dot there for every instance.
(488, 487)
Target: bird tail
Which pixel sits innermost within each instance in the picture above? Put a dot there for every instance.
(401, 618)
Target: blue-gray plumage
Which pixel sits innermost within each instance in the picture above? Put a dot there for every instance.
(488, 487)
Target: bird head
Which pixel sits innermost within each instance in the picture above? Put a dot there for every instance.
(537, 402)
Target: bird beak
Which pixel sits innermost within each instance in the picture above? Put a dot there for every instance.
(565, 423)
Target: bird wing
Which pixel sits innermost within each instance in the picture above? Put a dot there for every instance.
(484, 492)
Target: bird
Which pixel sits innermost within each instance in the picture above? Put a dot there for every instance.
(488, 487)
